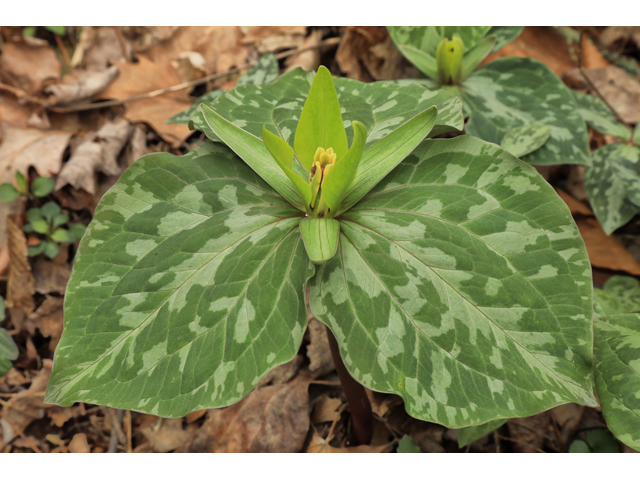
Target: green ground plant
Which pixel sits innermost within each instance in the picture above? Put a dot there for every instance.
(40, 187)
(47, 221)
(8, 349)
(447, 271)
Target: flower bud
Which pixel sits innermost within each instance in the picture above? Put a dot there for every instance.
(449, 59)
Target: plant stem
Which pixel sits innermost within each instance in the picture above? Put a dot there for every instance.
(356, 397)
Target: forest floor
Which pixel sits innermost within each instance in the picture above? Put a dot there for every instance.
(60, 91)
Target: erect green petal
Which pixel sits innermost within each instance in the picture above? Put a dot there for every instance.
(340, 177)
(320, 236)
(320, 122)
(283, 154)
(474, 56)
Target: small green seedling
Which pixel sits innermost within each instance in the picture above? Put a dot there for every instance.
(407, 445)
(8, 348)
(597, 441)
(40, 187)
(47, 221)
(31, 31)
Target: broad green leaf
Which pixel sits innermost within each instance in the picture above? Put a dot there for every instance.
(427, 39)
(320, 237)
(62, 236)
(188, 287)
(8, 351)
(469, 435)
(282, 153)
(424, 62)
(265, 71)
(612, 182)
(34, 250)
(59, 219)
(380, 106)
(77, 230)
(51, 249)
(407, 445)
(49, 210)
(339, 177)
(522, 140)
(463, 285)
(320, 123)
(617, 367)
(40, 226)
(42, 186)
(513, 91)
(596, 113)
(504, 35)
(636, 135)
(619, 295)
(474, 56)
(8, 192)
(386, 154)
(254, 152)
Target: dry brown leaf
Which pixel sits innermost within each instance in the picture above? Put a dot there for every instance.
(79, 444)
(318, 351)
(606, 251)
(99, 48)
(167, 434)
(270, 419)
(29, 147)
(80, 85)
(567, 418)
(193, 416)
(48, 319)
(144, 77)
(528, 434)
(61, 415)
(28, 67)
(4, 260)
(308, 60)
(190, 66)
(50, 277)
(591, 56)
(326, 410)
(13, 113)
(575, 207)
(543, 44)
(282, 373)
(98, 153)
(28, 405)
(621, 35)
(320, 445)
(368, 53)
(21, 284)
(272, 38)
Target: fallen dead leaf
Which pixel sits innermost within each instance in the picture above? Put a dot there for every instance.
(13, 113)
(28, 405)
(61, 415)
(168, 434)
(50, 277)
(606, 251)
(80, 85)
(79, 444)
(193, 416)
(308, 60)
(528, 434)
(98, 153)
(611, 36)
(567, 417)
(21, 284)
(575, 206)
(272, 38)
(326, 410)
(99, 48)
(318, 351)
(320, 445)
(17, 65)
(48, 319)
(270, 419)
(282, 373)
(190, 66)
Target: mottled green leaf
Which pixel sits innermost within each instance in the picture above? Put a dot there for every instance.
(380, 106)
(504, 35)
(463, 285)
(596, 113)
(320, 236)
(77, 230)
(613, 184)
(8, 192)
(187, 288)
(522, 140)
(427, 39)
(265, 71)
(42, 186)
(469, 435)
(474, 56)
(617, 366)
(513, 91)
(8, 350)
(619, 295)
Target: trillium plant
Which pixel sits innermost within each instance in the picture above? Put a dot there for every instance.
(447, 271)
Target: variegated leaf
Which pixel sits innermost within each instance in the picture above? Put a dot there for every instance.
(617, 366)
(618, 295)
(463, 285)
(265, 71)
(504, 35)
(380, 106)
(187, 288)
(513, 91)
(469, 435)
(428, 38)
(520, 141)
(613, 184)
(596, 113)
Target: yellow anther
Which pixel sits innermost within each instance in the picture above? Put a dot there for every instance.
(324, 157)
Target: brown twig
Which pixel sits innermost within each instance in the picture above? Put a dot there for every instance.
(123, 46)
(63, 51)
(182, 86)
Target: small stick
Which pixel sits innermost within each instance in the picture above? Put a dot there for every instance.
(63, 50)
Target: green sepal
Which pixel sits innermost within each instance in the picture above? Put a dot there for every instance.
(21, 181)
(525, 139)
(255, 154)
(42, 186)
(476, 54)
(421, 60)
(8, 193)
(449, 60)
(320, 122)
(320, 236)
(384, 155)
(283, 155)
(340, 176)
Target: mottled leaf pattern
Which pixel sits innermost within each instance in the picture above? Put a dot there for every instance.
(468, 435)
(617, 367)
(596, 113)
(619, 295)
(265, 71)
(613, 184)
(520, 141)
(380, 106)
(513, 91)
(463, 285)
(428, 38)
(187, 288)
(504, 35)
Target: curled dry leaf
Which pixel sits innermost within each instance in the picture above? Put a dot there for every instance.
(270, 419)
(80, 86)
(272, 38)
(326, 410)
(79, 444)
(282, 373)
(26, 406)
(99, 48)
(619, 35)
(320, 445)
(17, 64)
(167, 434)
(308, 60)
(21, 284)
(98, 153)
(50, 277)
(48, 319)
(190, 66)
(528, 434)
(29, 147)
(318, 351)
